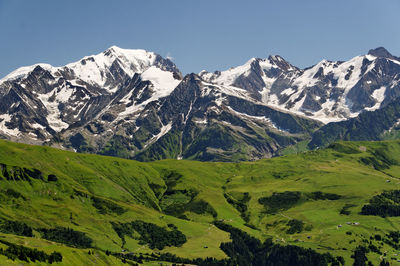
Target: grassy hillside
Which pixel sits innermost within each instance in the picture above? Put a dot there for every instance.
(312, 200)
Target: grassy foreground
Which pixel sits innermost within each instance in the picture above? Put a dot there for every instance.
(312, 199)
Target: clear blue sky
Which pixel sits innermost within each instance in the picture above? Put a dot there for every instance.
(211, 35)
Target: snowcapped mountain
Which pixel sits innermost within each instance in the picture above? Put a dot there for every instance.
(136, 104)
(328, 91)
(41, 100)
(106, 70)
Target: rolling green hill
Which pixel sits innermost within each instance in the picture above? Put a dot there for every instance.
(98, 210)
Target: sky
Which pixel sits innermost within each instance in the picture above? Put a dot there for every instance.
(210, 35)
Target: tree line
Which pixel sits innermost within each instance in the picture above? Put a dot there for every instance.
(22, 253)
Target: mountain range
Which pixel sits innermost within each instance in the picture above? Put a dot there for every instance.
(136, 104)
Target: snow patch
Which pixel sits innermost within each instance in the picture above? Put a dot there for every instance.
(204, 121)
(64, 94)
(53, 116)
(219, 101)
(11, 132)
(288, 91)
(229, 76)
(260, 118)
(298, 105)
(37, 126)
(229, 90)
(379, 96)
(163, 81)
(348, 73)
(163, 84)
(164, 130)
(249, 116)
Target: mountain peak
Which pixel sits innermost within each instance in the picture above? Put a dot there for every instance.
(275, 58)
(380, 52)
(192, 77)
(138, 56)
(280, 62)
(23, 71)
(129, 53)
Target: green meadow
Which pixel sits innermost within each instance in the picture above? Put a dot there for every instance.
(311, 199)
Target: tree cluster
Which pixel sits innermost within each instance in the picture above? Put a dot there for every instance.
(295, 226)
(154, 235)
(240, 205)
(384, 204)
(247, 250)
(106, 206)
(345, 209)
(67, 236)
(280, 200)
(393, 239)
(15, 227)
(14, 194)
(359, 256)
(318, 195)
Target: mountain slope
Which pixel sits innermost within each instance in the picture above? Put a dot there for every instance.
(206, 122)
(373, 125)
(47, 188)
(197, 120)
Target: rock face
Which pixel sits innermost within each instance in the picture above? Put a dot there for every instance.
(136, 104)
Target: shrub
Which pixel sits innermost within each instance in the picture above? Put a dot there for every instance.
(295, 226)
(15, 194)
(52, 178)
